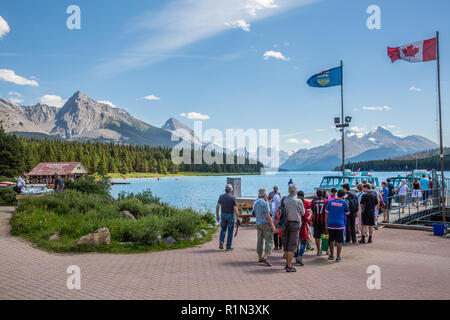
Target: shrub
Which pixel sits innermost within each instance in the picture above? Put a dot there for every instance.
(145, 197)
(184, 224)
(209, 218)
(89, 186)
(7, 196)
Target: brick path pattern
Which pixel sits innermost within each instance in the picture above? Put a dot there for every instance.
(414, 265)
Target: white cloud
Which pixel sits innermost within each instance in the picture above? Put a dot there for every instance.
(412, 88)
(195, 116)
(275, 54)
(380, 108)
(10, 76)
(238, 24)
(4, 27)
(180, 23)
(109, 103)
(152, 97)
(296, 141)
(253, 6)
(52, 100)
(15, 97)
(357, 129)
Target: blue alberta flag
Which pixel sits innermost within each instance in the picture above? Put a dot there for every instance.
(325, 79)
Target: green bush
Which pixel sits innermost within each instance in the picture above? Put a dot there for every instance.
(7, 196)
(89, 186)
(209, 218)
(184, 224)
(145, 197)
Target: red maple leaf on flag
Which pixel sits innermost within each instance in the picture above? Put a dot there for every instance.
(410, 51)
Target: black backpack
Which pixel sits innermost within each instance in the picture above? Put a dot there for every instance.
(282, 221)
(353, 203)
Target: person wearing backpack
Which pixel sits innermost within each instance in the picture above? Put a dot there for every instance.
(291, 212)
(353, 204)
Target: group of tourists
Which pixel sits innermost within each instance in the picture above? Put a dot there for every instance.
(21, 182)
(293, 224)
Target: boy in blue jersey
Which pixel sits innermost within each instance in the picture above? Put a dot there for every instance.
(337, 209)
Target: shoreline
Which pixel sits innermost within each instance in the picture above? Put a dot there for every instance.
(136, 175)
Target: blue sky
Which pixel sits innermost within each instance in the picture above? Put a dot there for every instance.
(207, 57)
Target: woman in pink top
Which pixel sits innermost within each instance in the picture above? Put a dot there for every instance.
(333, 194)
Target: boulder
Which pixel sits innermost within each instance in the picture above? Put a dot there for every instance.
(96, 238)
(54, 237)
(210, 226)
(188, 238)
(169, 241)
(198, 236)
(203, 232)
(127, 215)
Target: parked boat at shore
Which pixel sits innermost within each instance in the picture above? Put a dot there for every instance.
(352, 178)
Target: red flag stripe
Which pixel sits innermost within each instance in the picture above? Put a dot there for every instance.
(429, 50)
(394, 54)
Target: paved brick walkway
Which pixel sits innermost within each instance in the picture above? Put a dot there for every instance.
(414, 265)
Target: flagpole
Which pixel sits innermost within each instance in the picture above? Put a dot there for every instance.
(342, 122)
(440, 131)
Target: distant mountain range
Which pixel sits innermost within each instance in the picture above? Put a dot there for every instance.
(84, 119)
(374, 145)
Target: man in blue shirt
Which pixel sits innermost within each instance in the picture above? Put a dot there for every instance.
(264, 227)
(337, 209)
(424, 182)
(385, 195)
(227, 202)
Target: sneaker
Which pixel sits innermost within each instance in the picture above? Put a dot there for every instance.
(370, 240)
(363, 240)
(291, 269)
(338, 259)
(221, 246)
(285, 267)
(330, 258)
(230, 249)
(299, 261)
(309, 249)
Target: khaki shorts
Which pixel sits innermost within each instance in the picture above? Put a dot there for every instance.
(290, 236)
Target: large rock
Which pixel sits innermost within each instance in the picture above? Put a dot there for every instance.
(198, 236)
(127, 214)
(203, 232)
(169, 241)
(96, 238)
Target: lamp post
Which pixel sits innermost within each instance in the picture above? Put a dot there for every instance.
(345, 123)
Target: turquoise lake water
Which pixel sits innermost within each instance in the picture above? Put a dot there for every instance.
(202, 192)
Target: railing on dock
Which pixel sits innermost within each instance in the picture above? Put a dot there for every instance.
(416, 209)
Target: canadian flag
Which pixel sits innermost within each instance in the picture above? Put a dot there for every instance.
(419, 51)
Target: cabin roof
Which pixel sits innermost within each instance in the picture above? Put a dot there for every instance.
(50, 168)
